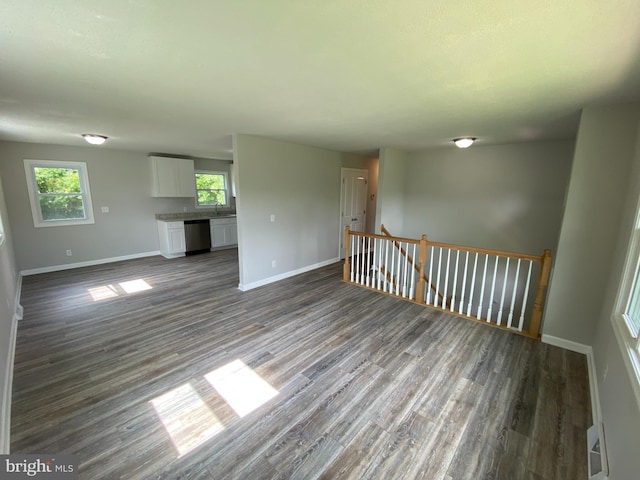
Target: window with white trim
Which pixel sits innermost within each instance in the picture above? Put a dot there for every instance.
(59, 193)
(211, 189)
(626, 316)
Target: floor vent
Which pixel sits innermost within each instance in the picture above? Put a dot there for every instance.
(598, 466)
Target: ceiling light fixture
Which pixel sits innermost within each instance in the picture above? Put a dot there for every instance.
(464, 142)
(94, 139)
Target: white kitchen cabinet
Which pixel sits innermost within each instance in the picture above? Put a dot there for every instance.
(172, 177)
(224, 232)
(172, 241)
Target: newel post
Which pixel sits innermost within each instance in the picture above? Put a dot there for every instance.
(346, 271)
(422, 260)
(536, 316)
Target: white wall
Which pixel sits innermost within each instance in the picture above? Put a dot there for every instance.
(299, 185)
(373, 165)
(507, 197)
(8, 286)
(120, 180)
(605, 148)
(604, 193)
(390, 202)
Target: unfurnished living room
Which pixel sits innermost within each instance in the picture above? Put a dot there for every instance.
(320, 240)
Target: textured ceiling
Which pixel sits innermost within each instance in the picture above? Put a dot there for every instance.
(351, 75)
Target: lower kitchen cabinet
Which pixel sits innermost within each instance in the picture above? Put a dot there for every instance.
(171, 236)
(224, 232)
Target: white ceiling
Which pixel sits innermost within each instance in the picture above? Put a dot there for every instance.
(352, 75)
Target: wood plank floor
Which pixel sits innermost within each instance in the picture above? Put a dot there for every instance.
(147, 384)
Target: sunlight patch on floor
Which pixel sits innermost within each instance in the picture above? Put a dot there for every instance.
(102, 293)
(242, 388)
(186, 418)
(134, 286)
(110, 291)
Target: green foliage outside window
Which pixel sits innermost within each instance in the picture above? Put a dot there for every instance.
(59, 193)
(211, 189)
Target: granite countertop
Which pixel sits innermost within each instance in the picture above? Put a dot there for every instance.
(174, 217)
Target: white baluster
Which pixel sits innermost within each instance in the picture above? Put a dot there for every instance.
(398, 269)
(455, 284)
(363, 272)
(430, 276)
(380, 278)
(369, 264)
(373, 270)
(513, 296)
(361, 254)
(526, 295)
(493, 289)
(376, 262)
(354, 259)
(393, 258)
(435, 296)
(446, 280)
(484, 278)
(473, 284)
(404, 266)
(386, 266)
(413, 271)
(356, 240)
(504, 289)
(464, 283)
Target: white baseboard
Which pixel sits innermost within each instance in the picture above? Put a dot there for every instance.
(587, 350)
(566, 344)
(282, 276)
(100, 261)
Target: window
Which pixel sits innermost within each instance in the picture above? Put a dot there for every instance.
(59, 193)
(626, 318)
(211, 189)
(1, 230)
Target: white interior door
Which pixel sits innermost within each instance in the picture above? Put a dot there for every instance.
(353, 201)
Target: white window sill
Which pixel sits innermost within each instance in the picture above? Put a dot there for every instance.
(63, 223)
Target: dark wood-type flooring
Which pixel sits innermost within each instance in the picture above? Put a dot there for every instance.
(368, 386)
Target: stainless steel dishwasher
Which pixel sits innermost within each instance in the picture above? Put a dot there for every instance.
(197, 236)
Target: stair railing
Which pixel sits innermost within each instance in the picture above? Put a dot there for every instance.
(491, 286)
(444, 300)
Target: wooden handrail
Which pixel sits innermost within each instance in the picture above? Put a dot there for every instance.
(453, 246)
(384, 237)
(498, 253)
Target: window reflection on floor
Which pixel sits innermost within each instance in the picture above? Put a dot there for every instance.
(186, 418)
(242, 388)
(115, 290)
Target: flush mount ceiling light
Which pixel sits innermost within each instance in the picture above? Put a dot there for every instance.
(94, 139)
(464, 142)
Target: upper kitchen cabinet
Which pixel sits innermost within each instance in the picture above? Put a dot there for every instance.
(172, 177)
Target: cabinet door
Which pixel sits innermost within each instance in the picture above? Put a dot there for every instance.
(163, 171)
(186, 178)
(232, 234)
(176, 240)
(218, 235)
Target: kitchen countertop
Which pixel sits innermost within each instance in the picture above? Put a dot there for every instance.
(174, 217)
